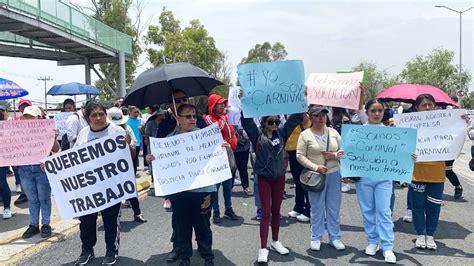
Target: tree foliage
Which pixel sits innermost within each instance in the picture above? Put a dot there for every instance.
(172, 44)
(436, 69)
(115, 14)
(265, 52)
(375, 80)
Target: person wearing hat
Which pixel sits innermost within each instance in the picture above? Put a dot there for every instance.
(36, 186)
(4, 188)
(311, 152)
(115, 116)
(22, 104)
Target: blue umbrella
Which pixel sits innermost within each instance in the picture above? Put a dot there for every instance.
(73, 88)
(10, 90)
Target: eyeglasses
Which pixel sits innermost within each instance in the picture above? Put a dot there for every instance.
(189, 117)
(273, 122)
(180, 100)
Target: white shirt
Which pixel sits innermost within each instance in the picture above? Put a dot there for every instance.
(74, 125)
(87, 134)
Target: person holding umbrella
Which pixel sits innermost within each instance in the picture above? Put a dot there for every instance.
(192, 208)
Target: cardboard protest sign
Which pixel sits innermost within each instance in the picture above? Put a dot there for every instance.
(335, 89)
(272, 88)
(441, 133)
(188, 161)
(378, 152)
(91, 177)
(233, 112)
(60, 122)
(25, 142)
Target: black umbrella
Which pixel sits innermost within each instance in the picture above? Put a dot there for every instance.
(156, 85)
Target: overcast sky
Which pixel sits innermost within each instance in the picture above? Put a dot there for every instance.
(327, 35)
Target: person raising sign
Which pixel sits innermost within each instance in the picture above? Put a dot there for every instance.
(99, 127)
(192, 208)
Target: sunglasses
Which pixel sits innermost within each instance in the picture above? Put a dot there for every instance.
(189, 117)
(273, 122)
(180, 100)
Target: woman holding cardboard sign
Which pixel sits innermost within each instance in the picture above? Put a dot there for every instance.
(374, 199)
(192, 208)
(319, 150)
(99, 127)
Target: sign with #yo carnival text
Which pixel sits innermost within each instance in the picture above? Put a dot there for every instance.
(272, 88)
(441, 133)
(91, 177)
(189, 161)
(378, 152)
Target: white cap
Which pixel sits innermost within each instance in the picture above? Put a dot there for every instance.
(33, 111)
(115, 116)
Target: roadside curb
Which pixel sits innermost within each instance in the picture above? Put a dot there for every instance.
(15, 248)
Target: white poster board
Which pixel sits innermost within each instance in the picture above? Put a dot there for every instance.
(91, 177)
(60, 122)
(441, 133)
(235, 108)
(188, 161)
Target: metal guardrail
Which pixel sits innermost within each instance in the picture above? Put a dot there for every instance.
(71, 20)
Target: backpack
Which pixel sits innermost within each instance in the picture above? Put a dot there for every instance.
(65, 145)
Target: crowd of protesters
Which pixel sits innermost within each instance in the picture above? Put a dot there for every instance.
(308, 140)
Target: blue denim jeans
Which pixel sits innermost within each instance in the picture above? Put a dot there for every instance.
(227, 191)
(36, 186)
(4, 188)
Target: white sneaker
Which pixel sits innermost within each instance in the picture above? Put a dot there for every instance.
(302, 218)
(293, 214)
(372, 249)
(315, 245)
(420, 242)
(408, 218)
(237, 182)
(278, 247)
(262, 255)
(430, 243)
(389, 256)
(337, 244)
(18, 188)
(7, 214)
(345, 187)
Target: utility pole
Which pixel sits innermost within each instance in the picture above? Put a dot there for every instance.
(45, 79)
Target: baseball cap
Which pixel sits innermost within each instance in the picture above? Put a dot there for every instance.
(24, 101)
(115, 116)
(314, 110)
(33, 111)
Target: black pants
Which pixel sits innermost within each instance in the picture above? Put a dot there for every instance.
(135, 206)
(242, 160)
(192, 210)
(451, 175)
(145, 152)
(302, 204)
(135, 159)
(88, 228)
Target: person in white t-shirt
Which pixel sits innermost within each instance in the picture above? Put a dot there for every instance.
(98, 128)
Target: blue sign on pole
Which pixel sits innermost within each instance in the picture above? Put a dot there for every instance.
(272, 88)
(378, 152)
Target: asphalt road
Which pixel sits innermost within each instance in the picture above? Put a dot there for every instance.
(237, 242)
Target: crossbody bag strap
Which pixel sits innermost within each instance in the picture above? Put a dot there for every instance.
(327, 147)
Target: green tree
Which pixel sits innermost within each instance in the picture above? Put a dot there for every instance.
(115, 14)
(265, 52)
(467, 101)
(169, 43)
(437, 69)
(375, 80)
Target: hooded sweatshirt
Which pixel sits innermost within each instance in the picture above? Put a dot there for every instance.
(227, 130)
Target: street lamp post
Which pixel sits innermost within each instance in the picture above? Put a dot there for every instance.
(460, 12)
